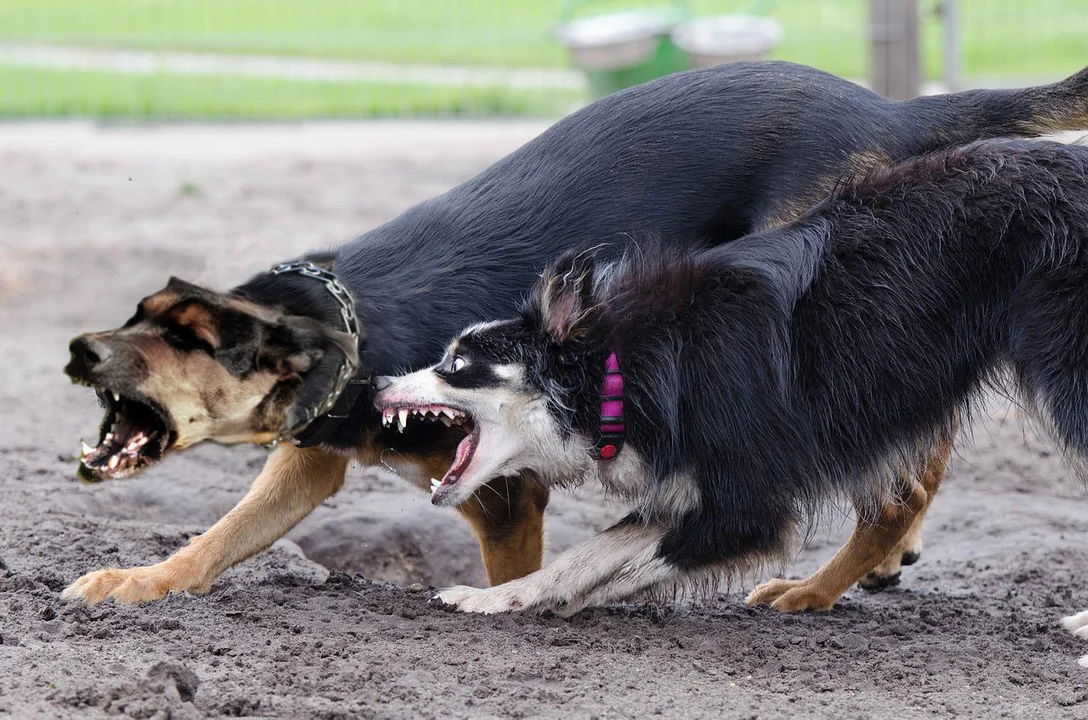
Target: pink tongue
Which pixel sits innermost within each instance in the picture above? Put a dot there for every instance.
(464, 456)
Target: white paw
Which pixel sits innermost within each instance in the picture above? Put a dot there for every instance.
(488, 601)
(1077, 624)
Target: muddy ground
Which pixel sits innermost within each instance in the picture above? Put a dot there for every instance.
(333, 622)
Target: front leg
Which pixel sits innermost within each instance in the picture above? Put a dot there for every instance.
(293, 482)
(507, 517)
(613, 566)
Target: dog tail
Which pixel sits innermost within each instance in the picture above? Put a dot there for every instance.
(1050, 360)
(1047, 327)
(1026, 112)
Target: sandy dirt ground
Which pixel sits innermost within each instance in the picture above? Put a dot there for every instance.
(334, 621)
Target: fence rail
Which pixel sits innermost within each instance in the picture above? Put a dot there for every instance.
(365, 58)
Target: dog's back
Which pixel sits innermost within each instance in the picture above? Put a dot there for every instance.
(853, 336)
(707, 155)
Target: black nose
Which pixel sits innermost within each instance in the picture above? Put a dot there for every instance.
(87, 355)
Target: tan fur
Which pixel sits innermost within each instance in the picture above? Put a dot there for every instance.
(871, 544)
(293, 482)
(204, 400)
(291, 485)
(197, 318)
(506, 515)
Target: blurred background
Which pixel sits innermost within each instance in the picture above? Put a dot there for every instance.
(291, 59)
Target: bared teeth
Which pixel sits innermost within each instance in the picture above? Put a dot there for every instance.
(85, 448)
(402, 415)
(435, 484)
(445, 421)
(114, 461)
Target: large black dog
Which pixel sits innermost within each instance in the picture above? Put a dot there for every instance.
(709, 154)
(754, 381)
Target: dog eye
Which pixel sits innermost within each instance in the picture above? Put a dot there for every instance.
(186, 341)
(458, 364)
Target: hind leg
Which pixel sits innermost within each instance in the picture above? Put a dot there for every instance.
(871, 543)
(909, 548)
(906, 552)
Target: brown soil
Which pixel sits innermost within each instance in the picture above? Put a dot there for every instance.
(91, 220)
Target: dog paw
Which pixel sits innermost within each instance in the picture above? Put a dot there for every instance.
(128, 585)
(1077, 624)
(791, 596)
(875, 581)
(487, 601)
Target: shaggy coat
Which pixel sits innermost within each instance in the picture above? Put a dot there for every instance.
(707, 155)
(771, 374)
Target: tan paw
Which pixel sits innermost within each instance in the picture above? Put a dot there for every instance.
(791, 596)
(130, 585)
(476, 600)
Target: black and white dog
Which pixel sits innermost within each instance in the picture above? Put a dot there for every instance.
(726, 393)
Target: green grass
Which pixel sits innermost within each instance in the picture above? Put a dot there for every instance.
(1001, 39)
(1044, 37)
(32, 92)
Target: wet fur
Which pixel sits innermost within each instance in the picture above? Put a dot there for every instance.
(806, 363)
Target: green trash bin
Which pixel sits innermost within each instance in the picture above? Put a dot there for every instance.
(619, 49)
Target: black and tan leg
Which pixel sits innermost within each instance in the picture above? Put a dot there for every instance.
(909, 549)
(871, 543)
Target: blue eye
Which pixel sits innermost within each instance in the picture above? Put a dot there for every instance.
(458, 364)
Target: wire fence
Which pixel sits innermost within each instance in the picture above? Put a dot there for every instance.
(217, 59)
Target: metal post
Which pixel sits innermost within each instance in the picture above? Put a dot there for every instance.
(893, 32)
(951, 50)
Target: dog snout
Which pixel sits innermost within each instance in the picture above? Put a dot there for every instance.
(88, 354)
(382, 382)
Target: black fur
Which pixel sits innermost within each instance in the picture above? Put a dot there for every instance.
(707, 155)
(794, 365)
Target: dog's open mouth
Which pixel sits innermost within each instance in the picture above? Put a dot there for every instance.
(400, 417)
(134, 434)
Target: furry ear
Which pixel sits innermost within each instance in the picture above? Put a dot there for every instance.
(563, 296)
(304, 347)
(295, 345)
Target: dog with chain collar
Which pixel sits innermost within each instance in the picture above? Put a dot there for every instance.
(709, 154)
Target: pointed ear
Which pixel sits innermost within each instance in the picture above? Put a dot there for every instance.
(305, 348)
(295, 345)
(326, 260)
(563, 297)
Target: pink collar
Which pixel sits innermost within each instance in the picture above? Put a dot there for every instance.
(612, 427)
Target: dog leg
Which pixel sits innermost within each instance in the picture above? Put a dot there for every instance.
(616, 564)
(868, 545)
(909, 548)
(293, 482)
(507, 516)
(906, 552)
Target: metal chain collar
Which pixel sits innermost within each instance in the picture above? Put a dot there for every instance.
(351, 322)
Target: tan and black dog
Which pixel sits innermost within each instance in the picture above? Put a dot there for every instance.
(711, 153)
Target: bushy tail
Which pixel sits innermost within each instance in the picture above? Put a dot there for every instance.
(979, 114)
(1048, 336)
